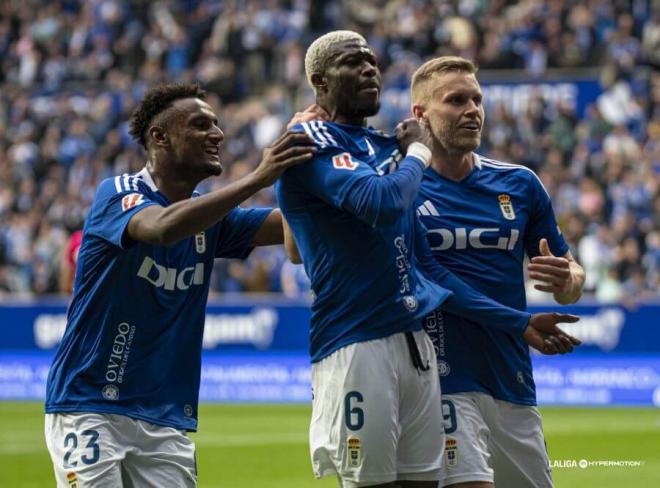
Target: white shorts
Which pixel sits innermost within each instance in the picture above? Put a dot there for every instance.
(375, 417)
(104, 450)
(493, 441)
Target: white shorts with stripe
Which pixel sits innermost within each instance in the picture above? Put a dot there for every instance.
(109, 451)
(375, 417)
(493, 441)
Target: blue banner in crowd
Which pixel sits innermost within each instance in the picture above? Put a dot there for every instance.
(257, 352)
(514, 95)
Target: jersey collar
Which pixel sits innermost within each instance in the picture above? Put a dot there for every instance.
(477, 160)
(145, 176)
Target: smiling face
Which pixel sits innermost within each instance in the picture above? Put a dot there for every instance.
(193, 137)
(352, 81)
(454, 111)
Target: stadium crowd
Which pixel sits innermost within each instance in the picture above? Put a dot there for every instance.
(71, 73)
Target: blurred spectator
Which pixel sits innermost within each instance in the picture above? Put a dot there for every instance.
(72, 71)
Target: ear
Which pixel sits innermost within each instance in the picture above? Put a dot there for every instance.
(419, 112)
(320, 83)
(158, 135)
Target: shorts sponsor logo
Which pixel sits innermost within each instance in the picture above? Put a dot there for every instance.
(354, 449)
(344, 161)
(132, 200)
(110, 392)
(72, 479)
(187, 410)
(443, 368)
(451, 452)
(506, 206)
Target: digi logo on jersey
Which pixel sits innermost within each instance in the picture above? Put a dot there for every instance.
(171, 278)
(460, 238)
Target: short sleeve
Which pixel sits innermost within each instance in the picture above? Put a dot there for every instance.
(237, 230)
(117, 200)
(542, 223)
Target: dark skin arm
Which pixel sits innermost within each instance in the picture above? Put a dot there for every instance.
(168, 225)
(271, 231)
(290, 244)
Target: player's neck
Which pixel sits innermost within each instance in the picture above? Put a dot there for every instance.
(173, 186)
(348, 120)
(453, 166)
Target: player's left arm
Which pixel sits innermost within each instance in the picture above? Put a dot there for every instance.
(551, 261)
(560, 275)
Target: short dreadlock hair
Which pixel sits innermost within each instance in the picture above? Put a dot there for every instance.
(157, 100)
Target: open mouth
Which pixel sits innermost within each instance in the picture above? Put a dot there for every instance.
(471, 126)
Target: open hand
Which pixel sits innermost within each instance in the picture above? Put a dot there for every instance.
(313, 112)
(289, 149)
(543, 334)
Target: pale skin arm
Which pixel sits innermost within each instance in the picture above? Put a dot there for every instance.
(560, 275)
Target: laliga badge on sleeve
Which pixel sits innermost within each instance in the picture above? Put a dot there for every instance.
(354, 458)
(506, 206)
(451, 452)
(132, 200)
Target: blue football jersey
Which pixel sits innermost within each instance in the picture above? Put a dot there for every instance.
(133, 340)
(359, 257)
(481, 228)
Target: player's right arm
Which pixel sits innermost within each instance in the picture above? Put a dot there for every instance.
(167, 225)
(344, 181)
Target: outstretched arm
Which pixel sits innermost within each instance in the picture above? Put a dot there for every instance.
(168, 225)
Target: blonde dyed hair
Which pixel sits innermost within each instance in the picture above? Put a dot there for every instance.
(420, 86)
(319, 52)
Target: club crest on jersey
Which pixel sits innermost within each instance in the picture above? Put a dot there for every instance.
(344, 161)
(451, 452)
(132, 200)
(506, 206)
(353, 448)
(200, 242)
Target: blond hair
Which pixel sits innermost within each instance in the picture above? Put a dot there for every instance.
(318, 53)
(445, 64)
